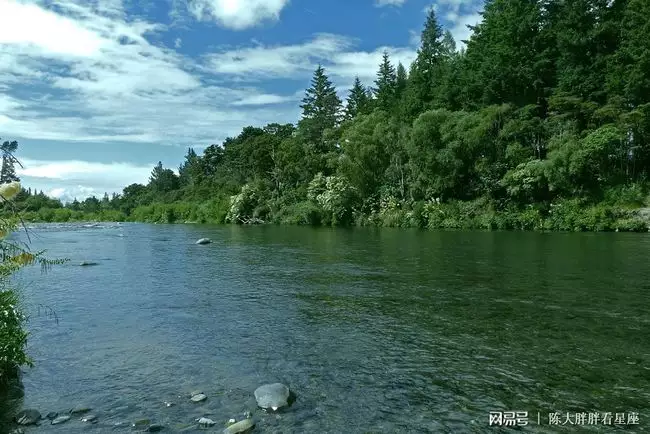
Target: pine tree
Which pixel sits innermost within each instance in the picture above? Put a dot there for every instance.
(357, 101)
(448, 45)
(8, 171)
(400, 81)
(385, 84)
(321, 108)
(188, 168)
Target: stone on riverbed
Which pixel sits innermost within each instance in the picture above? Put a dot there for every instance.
(141, 424)
(239, 427)
(28, 417)
(91, 418)
(204, 241)
(198, 397)
(205, 422)
(272, 396)
(80, 410)
(60, 419)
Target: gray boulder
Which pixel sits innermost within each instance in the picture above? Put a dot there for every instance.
(272, 396)
(28, 417)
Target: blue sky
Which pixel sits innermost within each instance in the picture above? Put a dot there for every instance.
(97, 91)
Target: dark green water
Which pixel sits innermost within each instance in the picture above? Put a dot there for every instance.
(375, 330)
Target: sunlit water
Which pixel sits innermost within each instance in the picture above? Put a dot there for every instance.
(374, 330)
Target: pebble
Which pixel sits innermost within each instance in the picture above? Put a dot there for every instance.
(204, 421)
(239, 427)
(60, 419)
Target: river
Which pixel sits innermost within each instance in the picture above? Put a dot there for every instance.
(376, 331)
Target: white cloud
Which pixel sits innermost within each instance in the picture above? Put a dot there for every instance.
(458, 14)
(237, 14)
(69, 194)
(107, 82)
(178, 42)
(92, 75)
(380, 3)
(76, 170)
(460, 31)
(24, 23)
(68, 179)
(334, 52)
(264, 99)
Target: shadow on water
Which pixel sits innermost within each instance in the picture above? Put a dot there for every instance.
(12, 393)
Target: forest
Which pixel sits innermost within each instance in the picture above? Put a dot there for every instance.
(541, 122)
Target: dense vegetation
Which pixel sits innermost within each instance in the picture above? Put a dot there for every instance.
(542, 122)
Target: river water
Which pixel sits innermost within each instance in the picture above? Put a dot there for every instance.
(376, 331)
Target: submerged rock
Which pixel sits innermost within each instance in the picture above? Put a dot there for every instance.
(205, 422)
(87, 263)
(239, 427)
(155, 428)
(60, 420)
(28, 417)
(198, 397)
(52, 415)
(168, 404)
(141, 424)
(272, 396)
(91, 418)
(204, 241)
(80, 410)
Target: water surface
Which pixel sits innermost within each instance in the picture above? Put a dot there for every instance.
(375, 330)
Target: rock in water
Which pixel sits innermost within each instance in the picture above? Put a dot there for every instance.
(87, 263)
(239, 427)
(28, 417)
(204, 241)
(272, 396)
(205, 422)
(141, 424)
(52, 416)
(91, 418)
(155, 428)
(60, 419)
(198, 397)
(80, 410)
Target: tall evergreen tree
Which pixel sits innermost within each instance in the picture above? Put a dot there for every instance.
(163, 180)
(8, 170)
(401, 79)
(321, 108)
(189, 168)
(385, 84)
(358, 101)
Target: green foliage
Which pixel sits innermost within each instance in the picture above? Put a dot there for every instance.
(541, 123)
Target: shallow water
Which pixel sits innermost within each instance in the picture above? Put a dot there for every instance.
(374, 330)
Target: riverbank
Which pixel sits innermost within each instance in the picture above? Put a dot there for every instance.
(567, 215)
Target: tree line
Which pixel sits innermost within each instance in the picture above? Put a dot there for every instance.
(541, 122)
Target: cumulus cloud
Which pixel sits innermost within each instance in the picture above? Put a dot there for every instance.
(237, 14)
(334, 52)
(71, 179)
(85, 71)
